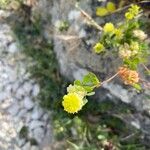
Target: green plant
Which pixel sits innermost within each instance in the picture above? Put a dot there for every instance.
(126, 41)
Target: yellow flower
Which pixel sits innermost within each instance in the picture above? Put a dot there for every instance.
(101, 11)
(108, 27)
(111, 7)
(118, 33)
(129, 15)
(134, 46)
(133, 11)
(72, 103)
(98, 48)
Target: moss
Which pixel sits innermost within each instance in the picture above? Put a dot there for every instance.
(23, 132)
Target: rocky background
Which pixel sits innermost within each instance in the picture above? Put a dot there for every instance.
(24, 124)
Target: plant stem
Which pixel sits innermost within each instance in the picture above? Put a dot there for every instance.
(109, 79)
(106, 81)
(89, 18)
(146, 68)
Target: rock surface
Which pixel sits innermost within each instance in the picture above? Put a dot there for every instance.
(20, 117)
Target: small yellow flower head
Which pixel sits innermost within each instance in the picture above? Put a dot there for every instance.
(72, 103)
(108, 28)
(111, 7)
(129, 16)
(101, 11)
(133, 11)
(98, 48)
(140, 34)
(134, 46)
(118, 33)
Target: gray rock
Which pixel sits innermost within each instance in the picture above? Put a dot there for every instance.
(27, 146)
(13, 110)
(3, 96)
(45, 117)
(35, 123)
(20, 92)
(28, 103)
(21, 142)
(35, 148)
(27, 87)
(36, 90)
(73, 14)
(82, 33)
(22, 113)
(38, 134)
(13, 48)
(37, 112)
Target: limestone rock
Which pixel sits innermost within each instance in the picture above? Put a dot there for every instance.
(39, 134)
(28, 103)
(37, 112)
(35, 123)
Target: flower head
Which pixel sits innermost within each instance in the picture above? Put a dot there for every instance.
(108, 28)
(134, 46)
(130, 77)
(126, 51)
(118, 33)
(72, 103)
(98, 48)
(129, 15)
(133, 11)
(140, 34)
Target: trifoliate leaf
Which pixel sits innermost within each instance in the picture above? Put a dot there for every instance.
(77, 82)
(101, 11)
(77, 89)
(90, 80)
(111, 7)
(137, 87)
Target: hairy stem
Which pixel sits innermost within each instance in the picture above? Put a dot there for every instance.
(89, 18)
(109, 79)
(146, 68)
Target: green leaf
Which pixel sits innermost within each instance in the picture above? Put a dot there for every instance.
(90, 80)
(101, 137)
(77, 82)
(85, 101)
(137, 87)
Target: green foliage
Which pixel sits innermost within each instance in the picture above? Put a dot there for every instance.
(89, 82)
(96, 128)
(23, 133)
(63, 26)
(126, 33)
